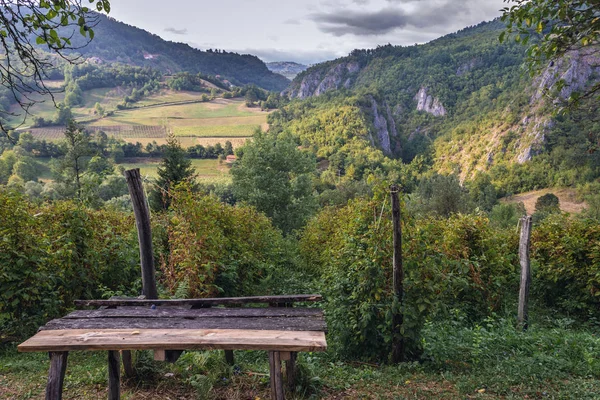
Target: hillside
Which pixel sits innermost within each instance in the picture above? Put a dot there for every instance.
(116, 41)
(288, 69)
(463, 101)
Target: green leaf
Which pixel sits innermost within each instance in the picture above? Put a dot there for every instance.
(40, 40)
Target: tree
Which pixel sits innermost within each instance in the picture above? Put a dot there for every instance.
(558, 27)
(175, 168)
(70, 169)
(50, 24)
(274, 176)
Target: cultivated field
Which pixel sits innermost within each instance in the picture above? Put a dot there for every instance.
(205, 169)
(210, 122)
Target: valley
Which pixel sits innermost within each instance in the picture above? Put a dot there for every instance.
(441, 200)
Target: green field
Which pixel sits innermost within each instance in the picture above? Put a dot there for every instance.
(219, 131)
(205, 123)
(205, 169)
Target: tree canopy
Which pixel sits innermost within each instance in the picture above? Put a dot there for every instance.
(25, 24)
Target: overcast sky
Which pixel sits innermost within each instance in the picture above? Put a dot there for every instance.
(305, 31)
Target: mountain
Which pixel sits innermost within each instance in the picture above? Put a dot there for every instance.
(463, 102)
(288, 69)
(116, 41)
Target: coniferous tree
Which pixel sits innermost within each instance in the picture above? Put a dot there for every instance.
(175, 168)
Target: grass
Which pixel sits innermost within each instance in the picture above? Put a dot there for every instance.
(206, 169)
(555, 359)
(226, 131)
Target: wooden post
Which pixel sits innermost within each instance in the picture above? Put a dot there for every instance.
(398, 273)
(142, 220)
(524, 244)
(114, 375)
(291, 371)
(127, 364)
(276, 377)
(229, 358)
(56, 375)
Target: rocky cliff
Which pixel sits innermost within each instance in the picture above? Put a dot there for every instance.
(384, 124)
(317, 81)
(429, 104)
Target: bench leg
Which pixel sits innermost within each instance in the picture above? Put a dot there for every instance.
(290, 371)
(127, 364)
(229, 357)
(276, 377)
(114, 375)
(56, 375)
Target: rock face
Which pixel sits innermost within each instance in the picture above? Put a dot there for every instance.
(468, 66)
(384, 127)
(429, 104)
(319, 81)
(575, 70)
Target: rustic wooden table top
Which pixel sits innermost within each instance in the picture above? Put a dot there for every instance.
(179, 327)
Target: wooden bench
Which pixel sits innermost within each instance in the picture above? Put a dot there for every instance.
(171, 326)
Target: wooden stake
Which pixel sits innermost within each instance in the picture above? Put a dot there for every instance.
(114, 375)
(56, 375)
(524, 244)
(397, 318)
(142, 220)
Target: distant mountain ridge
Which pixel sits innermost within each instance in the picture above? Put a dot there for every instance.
(463, 100)
(289, 69)
(116, 41)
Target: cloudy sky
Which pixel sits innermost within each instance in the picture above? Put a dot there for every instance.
(306, 31)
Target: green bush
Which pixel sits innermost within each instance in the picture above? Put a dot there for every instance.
(460, 262)
(53, 254)
(566, 263)
(215, 248)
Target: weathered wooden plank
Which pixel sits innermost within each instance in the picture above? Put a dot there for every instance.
(174, 339)
(147, 312)
(114, 375)
(276, 377)
(196, 302)
(278, 323)
(56, 375)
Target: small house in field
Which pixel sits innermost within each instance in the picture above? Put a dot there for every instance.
(230, 159)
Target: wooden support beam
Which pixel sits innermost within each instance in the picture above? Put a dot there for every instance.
(142, 221)
(291, 371)
(276, 376)
(524, 244)
(398, 273)
(114, 375)
(56, 375)
(229, 358)
(160, 355)
(127, 364)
